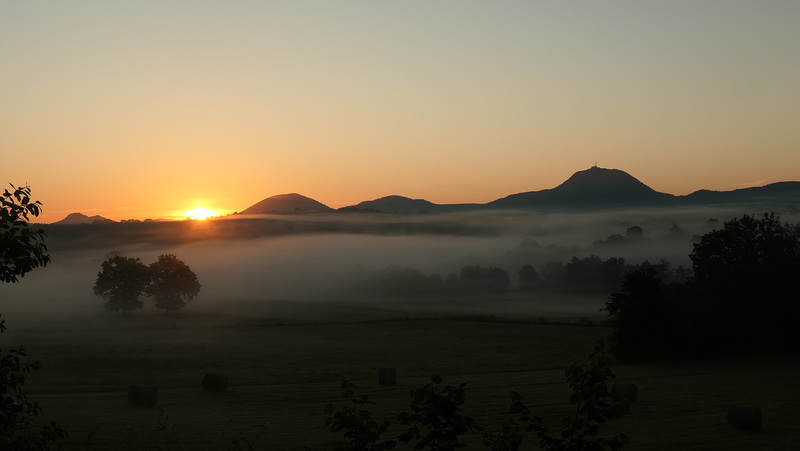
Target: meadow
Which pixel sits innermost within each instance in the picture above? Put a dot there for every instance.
(285, 361)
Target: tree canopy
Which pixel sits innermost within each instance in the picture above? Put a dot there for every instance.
(742, 297)
(22, 249)
(121, 282)
(749, 272)
(172, 283)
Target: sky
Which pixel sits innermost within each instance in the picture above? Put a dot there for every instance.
(147, 109)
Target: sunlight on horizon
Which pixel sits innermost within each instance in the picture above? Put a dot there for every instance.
(201, 213)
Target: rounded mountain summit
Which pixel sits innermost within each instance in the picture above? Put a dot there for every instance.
(286, 203)
(592, 188)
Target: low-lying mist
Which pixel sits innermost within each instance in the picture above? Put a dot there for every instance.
(308, 263)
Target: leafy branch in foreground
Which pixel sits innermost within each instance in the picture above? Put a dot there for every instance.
(360, 431)
(579, 431)
(22, 249)
(436, 420)
(17, 413)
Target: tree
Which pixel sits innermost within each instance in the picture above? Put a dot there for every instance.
(172, 283)
(653, 319)
(740, 298)
(18, 415)
(121, 282)
(22, 249)
(436, 420)
(634, 233)
(594, 274)
(748, 272)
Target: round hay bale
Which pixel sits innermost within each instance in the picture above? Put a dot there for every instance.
(213, 382)
(142, 396)
(744, 417)
(621, 390)
(387, 376)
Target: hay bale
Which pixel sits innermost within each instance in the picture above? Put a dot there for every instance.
(621, 390)
(142, 396)
(744, 417)
(387, 376)
(215, 382)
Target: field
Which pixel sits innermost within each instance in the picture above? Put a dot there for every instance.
(286, 360)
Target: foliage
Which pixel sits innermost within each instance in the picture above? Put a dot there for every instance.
(121, 282)
(528, 277)
(590, 396)
(241, 442)
(22, 249)
(579, 431)
(172, 283)
(436, 420)
(164, 425)
(594, 274)
(747, 271)
(360, 431)
(552, 275)
(740, 297)
(394, 280)
(17, 413)
(652, 318)
(124, 279)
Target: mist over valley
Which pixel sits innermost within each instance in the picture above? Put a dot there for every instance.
(295, 300)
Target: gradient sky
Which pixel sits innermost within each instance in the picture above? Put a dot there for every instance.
(145, 109)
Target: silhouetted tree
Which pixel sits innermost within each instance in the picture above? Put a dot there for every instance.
(22, 249)
(634, 233)
(393, 280)
(172, 283)
(594, 274)
(740, 298)
(121, 282)
(528, 277)
(552, 274)
(652, 319)
(676, 233)
(749, 271)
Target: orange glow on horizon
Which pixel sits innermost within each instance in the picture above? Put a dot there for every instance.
(201, 213)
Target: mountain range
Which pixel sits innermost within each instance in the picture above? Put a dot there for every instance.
(591, 189)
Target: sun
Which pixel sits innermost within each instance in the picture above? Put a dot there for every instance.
(200, 213)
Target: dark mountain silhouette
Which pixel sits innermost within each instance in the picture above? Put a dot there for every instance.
(591, 189)
(80, 218)
(594, 188)
(395, 204)
(286, 203)
(775, 192)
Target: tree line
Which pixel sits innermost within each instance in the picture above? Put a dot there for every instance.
(590, 274)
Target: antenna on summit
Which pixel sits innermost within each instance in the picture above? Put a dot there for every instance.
(595, 164)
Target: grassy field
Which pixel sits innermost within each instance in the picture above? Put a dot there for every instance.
(285, 361)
